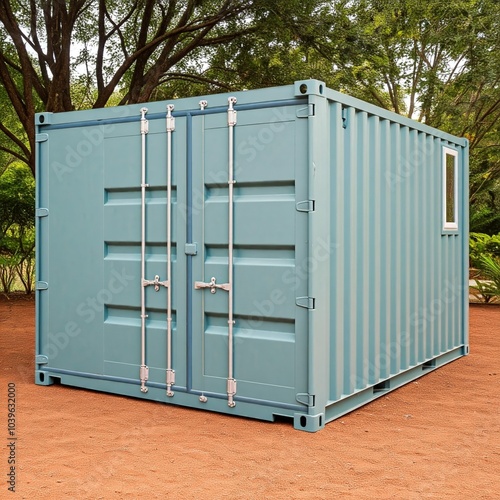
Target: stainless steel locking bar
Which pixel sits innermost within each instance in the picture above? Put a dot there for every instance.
(228, 287)
(170, 372)
(144, 370)
(231, 121)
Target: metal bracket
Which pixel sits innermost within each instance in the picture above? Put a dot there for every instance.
(41, 359)
(231, 391)
(170, 118)
(305, 398)
(156, 282)
(41, 137)
(306, 206)
(203, 104)
(42, 212)
(144, 122)
(170, 382)
(212, 285)
(306, 302)
(231, 112)
(305, 112)
(144, 375)
(41, 285)
(190, 249)
(344, 117)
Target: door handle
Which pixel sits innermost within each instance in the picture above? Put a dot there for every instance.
(198, 285)
(156, 282)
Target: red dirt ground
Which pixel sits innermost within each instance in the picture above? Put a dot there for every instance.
(438, 437)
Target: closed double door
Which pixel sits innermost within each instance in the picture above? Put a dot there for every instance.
(237, 260)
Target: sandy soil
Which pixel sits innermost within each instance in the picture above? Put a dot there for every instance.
(438, 437)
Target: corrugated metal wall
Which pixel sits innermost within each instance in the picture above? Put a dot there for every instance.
(396, 299)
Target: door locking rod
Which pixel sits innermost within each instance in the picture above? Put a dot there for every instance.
(144, 370)
(170, 375)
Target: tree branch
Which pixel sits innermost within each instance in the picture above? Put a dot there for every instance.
(194, 78)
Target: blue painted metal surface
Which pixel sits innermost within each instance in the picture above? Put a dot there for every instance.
(345, 283)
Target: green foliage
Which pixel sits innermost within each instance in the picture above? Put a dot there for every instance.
(490, 270)
(481, 244)
(484, 251)
(17, 198)
(484, 218)
(433, 61)
(17, 232)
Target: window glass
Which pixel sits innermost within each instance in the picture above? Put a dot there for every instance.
(450, 188)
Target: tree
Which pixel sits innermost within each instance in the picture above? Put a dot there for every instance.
(433, 61)
(273, 55)
(13, 140)
(123, 46)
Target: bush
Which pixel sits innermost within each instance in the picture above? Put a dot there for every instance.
(483, 244)
(490, 269)
(17, 232)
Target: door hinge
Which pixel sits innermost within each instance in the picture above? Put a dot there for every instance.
(344, 117)
(306, 112)
(306, 302)
(41, 137)
(42, 212)
(305, 398)
(305, 206)
(41, 359)
(41, 285)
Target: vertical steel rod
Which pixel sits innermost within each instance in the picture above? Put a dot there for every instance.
(144, 368)
(231, 382)
(170, 129)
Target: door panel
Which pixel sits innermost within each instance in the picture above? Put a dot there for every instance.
(270, 240)
(270, 243)
(122, 251)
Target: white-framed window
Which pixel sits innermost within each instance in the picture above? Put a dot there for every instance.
(450, 189)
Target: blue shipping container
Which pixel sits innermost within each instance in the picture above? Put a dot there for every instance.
(287, 251)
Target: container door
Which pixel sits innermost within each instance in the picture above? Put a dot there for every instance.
(268, 351)
(124, 349)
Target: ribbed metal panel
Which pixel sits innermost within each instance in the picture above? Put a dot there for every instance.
(396, 300)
